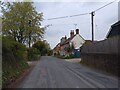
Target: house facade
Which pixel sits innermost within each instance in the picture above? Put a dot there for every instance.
(74, 42)
(56, 50)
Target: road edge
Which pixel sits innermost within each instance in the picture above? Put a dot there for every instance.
(21, 77)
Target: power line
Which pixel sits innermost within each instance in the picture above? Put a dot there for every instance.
(58, 18)
(69, 16)
(78, 15)
(104, 6)
(82, 13)
(92, 17)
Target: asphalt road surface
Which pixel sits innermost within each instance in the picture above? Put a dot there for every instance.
(51, 72)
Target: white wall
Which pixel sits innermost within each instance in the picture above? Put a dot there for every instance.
(77, 41)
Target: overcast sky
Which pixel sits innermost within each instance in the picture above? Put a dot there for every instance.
(104, 18)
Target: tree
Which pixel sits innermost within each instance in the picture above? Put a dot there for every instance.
(70, 48)
(22, 22)
(43, 47)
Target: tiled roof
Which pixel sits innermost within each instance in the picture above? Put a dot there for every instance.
(67, 41)
(57, 46)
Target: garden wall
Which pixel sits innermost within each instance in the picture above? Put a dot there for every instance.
(104, 55)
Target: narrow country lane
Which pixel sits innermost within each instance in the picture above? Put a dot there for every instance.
(51, 72)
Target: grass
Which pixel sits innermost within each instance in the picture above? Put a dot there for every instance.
(70, 57)
(10, 72)
(67, 57)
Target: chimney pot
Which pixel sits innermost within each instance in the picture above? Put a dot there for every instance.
(65, 37)
(77, 31)
(72, 33)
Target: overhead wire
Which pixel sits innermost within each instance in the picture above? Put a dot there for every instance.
(78, 14)
(58, 18)
(82, 13)
(68, 16)
(104, 6)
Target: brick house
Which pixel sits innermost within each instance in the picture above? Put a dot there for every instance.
(56, 49)
(74, 40)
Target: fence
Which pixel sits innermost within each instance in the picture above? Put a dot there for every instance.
(104, 55)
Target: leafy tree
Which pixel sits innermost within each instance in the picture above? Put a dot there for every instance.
(22, 22)
(70, 48)
(43, 47)
(32, 54)
(50, 52)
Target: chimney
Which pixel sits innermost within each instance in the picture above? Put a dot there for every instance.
(65, 37)
(77, 31)
(72, 33)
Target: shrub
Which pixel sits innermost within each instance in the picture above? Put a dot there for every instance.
(70, 57)
(13, 62)
(32, 54)
(9, 46)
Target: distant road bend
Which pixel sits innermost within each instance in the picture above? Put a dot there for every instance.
(51, 72)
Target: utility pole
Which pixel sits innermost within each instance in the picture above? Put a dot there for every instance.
(92, 22)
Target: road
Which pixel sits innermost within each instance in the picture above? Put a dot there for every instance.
(51, 72)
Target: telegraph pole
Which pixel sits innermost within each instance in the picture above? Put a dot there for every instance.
(92, 22)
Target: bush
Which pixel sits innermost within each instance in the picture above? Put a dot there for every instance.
(16, 49)
(69, 57)
(13, 61)
(33, 54)
(43, 48)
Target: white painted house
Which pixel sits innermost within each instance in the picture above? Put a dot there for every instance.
(75, 39)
